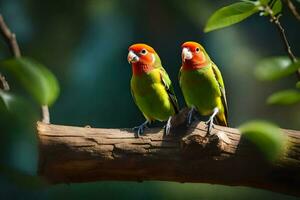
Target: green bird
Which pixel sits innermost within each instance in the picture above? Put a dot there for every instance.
(151, 87)
(202, 85)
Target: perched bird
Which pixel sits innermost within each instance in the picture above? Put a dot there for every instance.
(202, 85)
(151, 87)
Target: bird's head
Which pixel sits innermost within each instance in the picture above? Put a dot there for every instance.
(193, 55)
(142, 58)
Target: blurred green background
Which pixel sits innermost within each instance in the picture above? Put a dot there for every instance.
(84, 43)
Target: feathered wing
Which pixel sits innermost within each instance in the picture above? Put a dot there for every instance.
(132, 94)
(169, 88)
(179, 76)
(219, 78)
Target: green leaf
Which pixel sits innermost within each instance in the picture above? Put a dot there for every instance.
(285, 97)
(12, 102)
(229, 15)
(274, 68)
(298, 85)
(17, 106)
(35, 78)
(277, 7)
(7, 100)
(267, 137)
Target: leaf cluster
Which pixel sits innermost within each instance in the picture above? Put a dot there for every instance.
(265, 135)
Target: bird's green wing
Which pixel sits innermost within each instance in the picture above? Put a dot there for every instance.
(219, 78)
(132, 94)
(179, 75)
(169, 88)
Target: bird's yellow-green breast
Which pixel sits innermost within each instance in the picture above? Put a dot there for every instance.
(200, 89)
(151, 96)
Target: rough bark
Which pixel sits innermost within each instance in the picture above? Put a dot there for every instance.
(74, 154)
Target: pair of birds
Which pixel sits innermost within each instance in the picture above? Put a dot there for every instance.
(200, 80)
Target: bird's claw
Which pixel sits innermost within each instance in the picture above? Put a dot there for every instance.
(210, 122)
(190, 116)
(167, 127)
(210, 125)
(139, 130)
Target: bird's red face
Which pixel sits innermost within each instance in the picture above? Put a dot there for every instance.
(141, 57)
(193, 56)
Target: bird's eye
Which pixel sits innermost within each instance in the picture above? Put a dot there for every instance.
(143, 52)
(197, 49)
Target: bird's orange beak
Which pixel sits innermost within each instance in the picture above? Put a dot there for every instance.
(132, 57)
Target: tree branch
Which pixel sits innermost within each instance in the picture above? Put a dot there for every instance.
(73, 154)
(12, 43)
(45, 114)
(10, 38)
(284, 39)
(275, 20)
(286, 43)
(293, 9)
(5, 85)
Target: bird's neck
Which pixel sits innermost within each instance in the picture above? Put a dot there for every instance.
(140, 68)
(194, 65)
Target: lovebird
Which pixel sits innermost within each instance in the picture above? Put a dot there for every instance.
(202, 85)
(151, 87)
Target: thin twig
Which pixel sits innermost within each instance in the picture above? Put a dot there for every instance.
(46, 115)
(293, 9)
(10, 38)
(285, 40)
(275, 20)
(11, 41)
(5, 85)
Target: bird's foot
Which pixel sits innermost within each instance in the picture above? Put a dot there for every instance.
(168, 126)
(140, 129)
(210, 122)
(190, 116)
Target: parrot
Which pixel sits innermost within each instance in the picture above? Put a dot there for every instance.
(151, 87)
(202, 85)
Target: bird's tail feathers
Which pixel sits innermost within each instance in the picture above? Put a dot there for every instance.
(221, 120)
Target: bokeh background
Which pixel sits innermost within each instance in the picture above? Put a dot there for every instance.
(84, 43)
